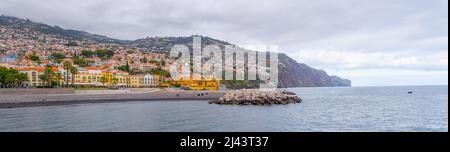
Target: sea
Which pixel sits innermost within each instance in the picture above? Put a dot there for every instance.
(352, 109)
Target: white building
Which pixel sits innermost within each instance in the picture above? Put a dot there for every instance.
(150, 81)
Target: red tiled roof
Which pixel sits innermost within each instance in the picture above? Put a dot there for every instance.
(94, 68)
(39, 69)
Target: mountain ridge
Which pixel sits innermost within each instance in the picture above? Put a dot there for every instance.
(292, 73)
(15, 22)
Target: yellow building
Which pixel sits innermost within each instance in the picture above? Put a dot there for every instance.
(90, 77)
(120, 80)
(88, 80)
(96, 77)
(135, 81)
(108, 76)
(33, 76)
(198, 85)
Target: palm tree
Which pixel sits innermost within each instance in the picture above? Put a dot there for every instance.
(103, 80)
(67, 65)
(73, 70)
(48, 75)
(11, 78)
(115, 81)
(21, 77)
(58, 77)
(44, 79)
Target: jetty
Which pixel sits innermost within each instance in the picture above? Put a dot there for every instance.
(258, 97)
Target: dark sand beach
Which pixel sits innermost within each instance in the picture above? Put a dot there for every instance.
(18, 101)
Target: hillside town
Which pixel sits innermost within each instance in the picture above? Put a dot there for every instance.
(54, 61)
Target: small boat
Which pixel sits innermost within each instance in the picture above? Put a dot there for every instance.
(410, 92)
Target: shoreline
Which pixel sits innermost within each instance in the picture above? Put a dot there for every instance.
(21, 101)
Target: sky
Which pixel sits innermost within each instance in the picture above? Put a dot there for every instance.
(371, 42)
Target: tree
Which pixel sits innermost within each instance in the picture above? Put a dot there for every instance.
(58, 77)
(160, 72)
(58, 56)
(34, 58)
(125, 68)
(80, 62)
(67, 65)
(144, 60)
(21, 78)
(44, 78)
(3, 72)
(39, 62)
(11, 77)
(72, 43)
(73, 71)
(153, 62)
(122, 68)
(10, 80)
(115, 81)
(103, 80)
(49, 76)
(104, 54)
(87, 53)
(57, 61)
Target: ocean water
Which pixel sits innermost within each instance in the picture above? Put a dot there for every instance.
(357, 109)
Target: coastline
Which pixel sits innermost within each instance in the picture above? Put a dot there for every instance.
(20, 101)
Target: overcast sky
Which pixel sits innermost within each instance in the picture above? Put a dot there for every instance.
(371, 42)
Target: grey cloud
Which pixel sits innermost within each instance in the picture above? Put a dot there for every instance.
(366, 27)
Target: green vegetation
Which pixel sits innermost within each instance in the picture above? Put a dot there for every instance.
(160, 72)
(80, 62)
(57, 61)
(144, 60)
(34, 58)
(58, 56)
(58, 77)
(48, 77)
(104, 54)
(11, 78)
(239, 84)
(72, 43)
(159, 63)
(153, 62)
(103, 79)
(125, 68)
(177, 85)
(67, 65)
(73, 70)
(87, 53)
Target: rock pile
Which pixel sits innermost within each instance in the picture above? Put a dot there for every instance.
(257, 97)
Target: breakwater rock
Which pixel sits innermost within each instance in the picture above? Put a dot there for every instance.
(257, 97)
